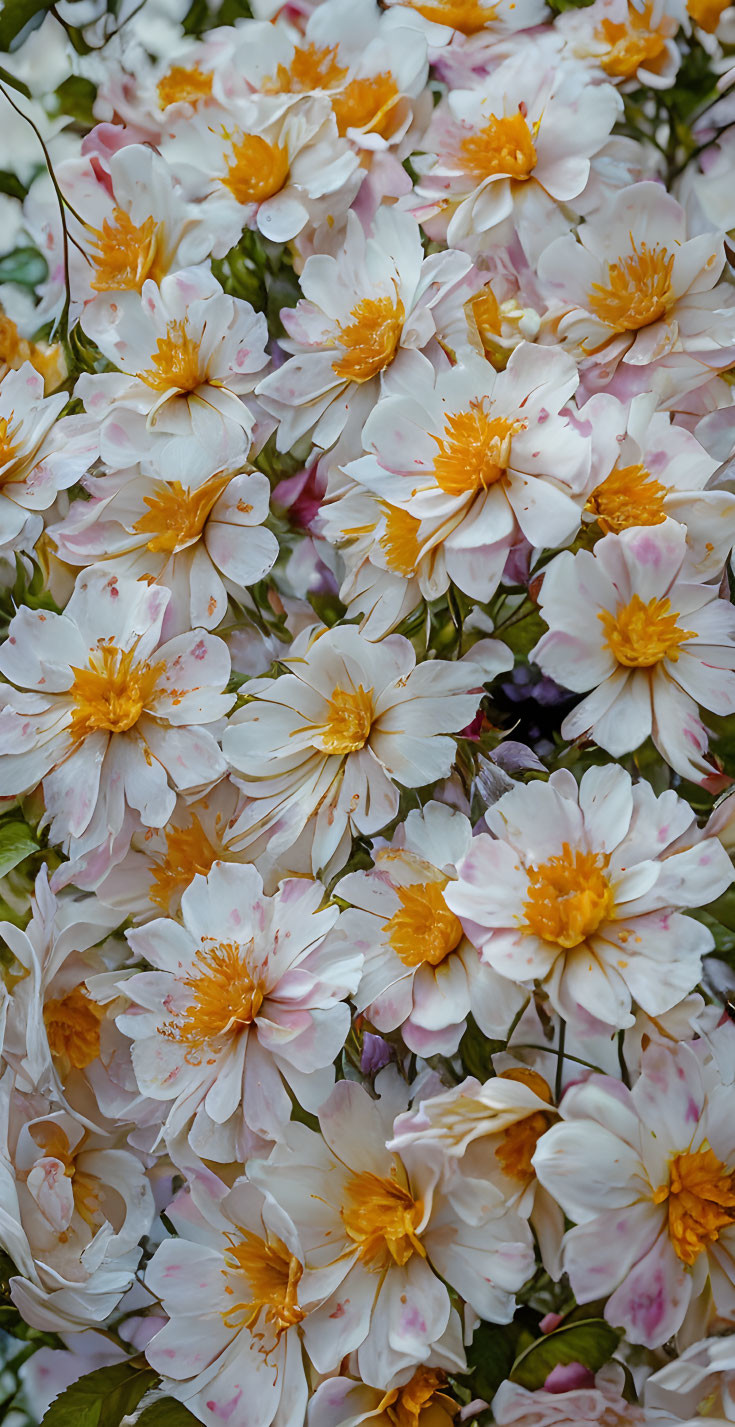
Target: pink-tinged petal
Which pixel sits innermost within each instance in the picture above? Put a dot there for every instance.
(651, 1304)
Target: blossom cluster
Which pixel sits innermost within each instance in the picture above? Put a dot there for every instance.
(367, 676)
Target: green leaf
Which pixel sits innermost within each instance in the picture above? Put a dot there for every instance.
(166, 1412)
(102, 1398)
(490, 1357)
(75, 96)
(11, 184)
(11, 80)
(477, 1051)
(26, 266)
(590, 1342)
(14, 17)
(16, 843)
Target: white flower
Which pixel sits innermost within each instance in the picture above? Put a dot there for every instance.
(326, 744)
(421, 1400)
(630, 623)
(631, 41)
(365, 315)
(645, 469)
(699, 1383)
(186, 353)
(244, 996)
(39, 456)
(198, 535)
(647, 1177)
(632, 286)
(232, 1285)
(420, 972)
(378, 1230)
(74, 1210)
(514, 147)
(579, 888)
(460, 470)
(602, 1403)
(104, 714)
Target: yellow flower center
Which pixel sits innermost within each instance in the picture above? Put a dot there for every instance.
(112, 692)
(124, 253)
(176, 517)
(312, 67)
(271, 1274)
(423, 930)
(519, 1141)
(370, 340)
(188, 853)
(505, 146)
(399, 540)
(474, 451)
(176, 361)
(630, 44)
(225, 998)
(367, 104)
(629, 496)
(701, 1202)
(73, 1027)
(568, 897)
(638, 289)
(381, 1217)
(184, 86)
(256, 169)
(467, 16)
(54, 1144)
(347, 726)
(421, 1401)
(641, 635)
(707, 13)
(8, 443)
(15, 350)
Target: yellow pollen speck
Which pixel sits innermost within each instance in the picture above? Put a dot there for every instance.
(568, 897)
(503, 147)
(423, 931)
(474, 452)
(370, 339)
(176, 517)
(256, 169)
(271, 1274)
(629, 496)
(112, 692)
(637, 291)
(641, 635)
(73, 1027)
(701, 1202)
(381, 1216)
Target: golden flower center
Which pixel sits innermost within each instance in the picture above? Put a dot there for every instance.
(175, 516)
(176, 362)
(367, 104)
(423, 930)
(474, 451)
(467, 16)
(568, 897)
(518, 1143)
(184, 86)
(8, 443)
(421, 1403)
(271, 1277)
(630, 45)
(707, 13)
(641, 635)
(399, 541)
(112, 692)
(312, 67)
(15, 350)
(381, 1217)
(256, 169)
(701, 1202)
(188, 853)
(630, 495)
(503, 147)
(637, 291)
(123, 253)
(73, 1027)
(349, 719)
(54, 1144)
(370, 339)
(225, 997)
